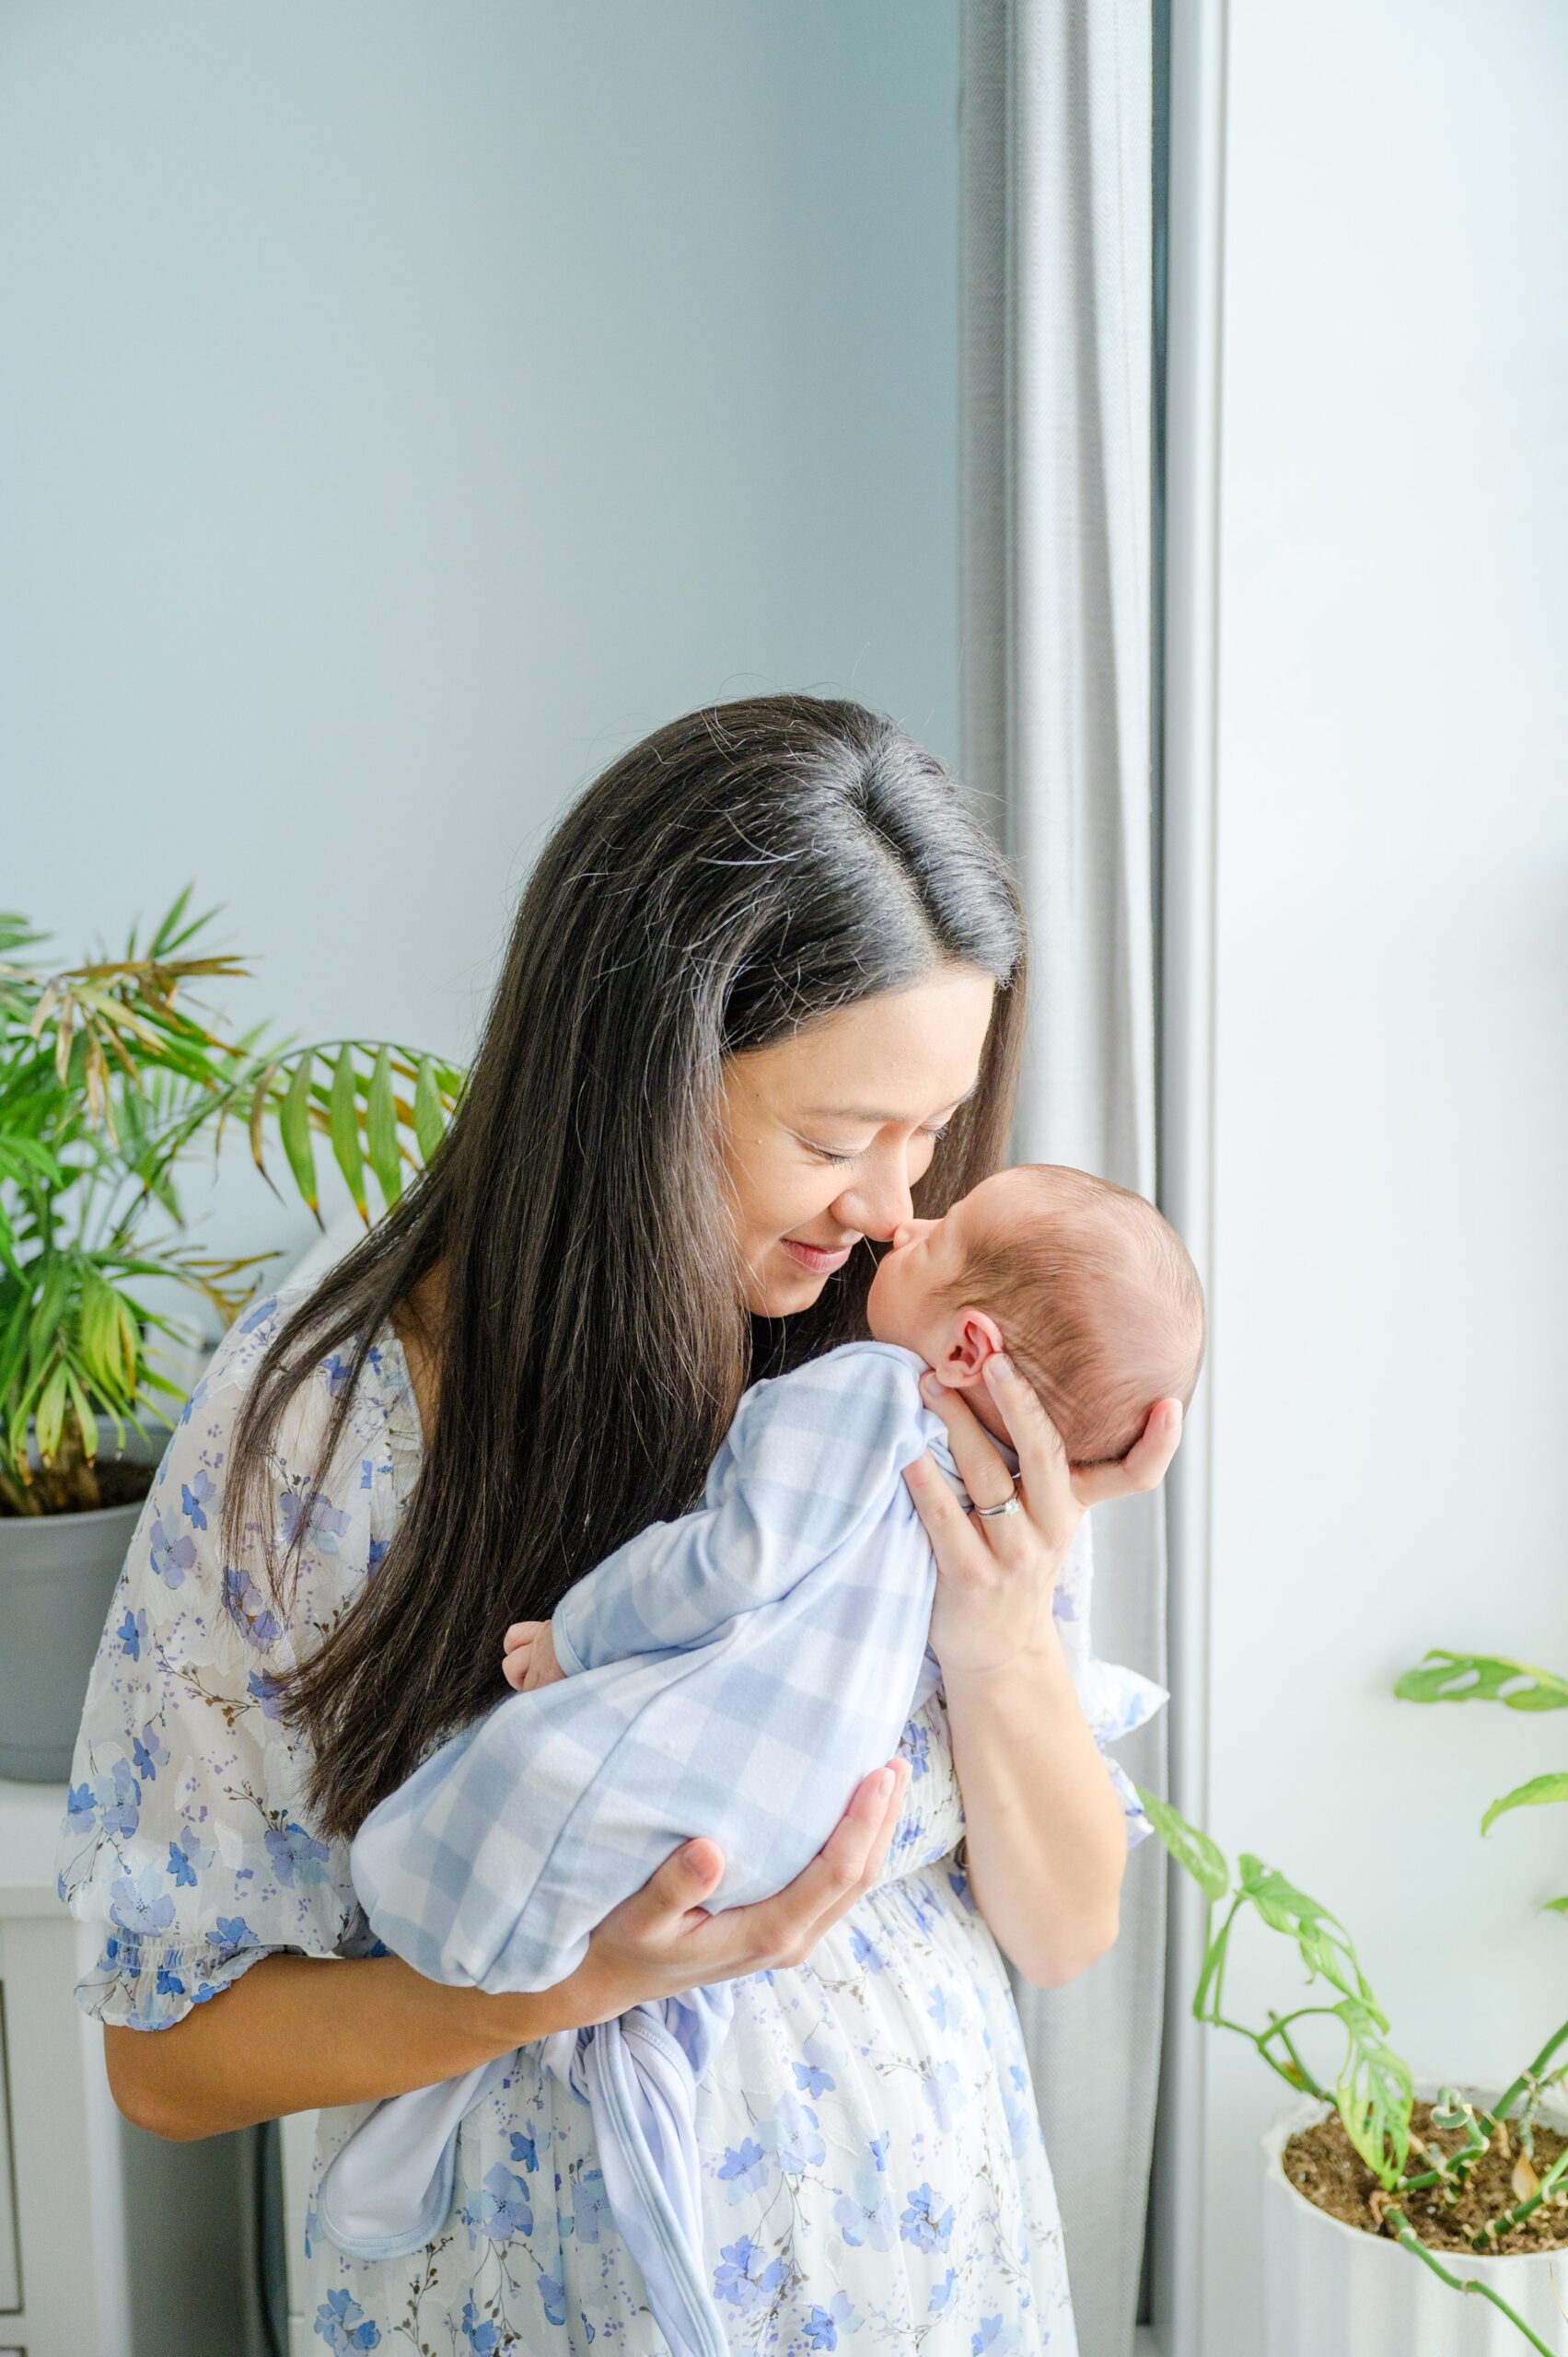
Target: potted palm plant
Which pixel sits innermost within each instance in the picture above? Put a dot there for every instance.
(1367, 2162)
(110, 1075)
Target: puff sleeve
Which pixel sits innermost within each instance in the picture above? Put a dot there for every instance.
(186, 1839)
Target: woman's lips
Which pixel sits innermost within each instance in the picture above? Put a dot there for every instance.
(813, 1257)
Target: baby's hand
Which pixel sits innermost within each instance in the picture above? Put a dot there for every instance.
(528, 1657)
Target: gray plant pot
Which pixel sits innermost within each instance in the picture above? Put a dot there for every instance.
(57, 1574)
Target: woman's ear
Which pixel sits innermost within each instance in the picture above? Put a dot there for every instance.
(973, 1336)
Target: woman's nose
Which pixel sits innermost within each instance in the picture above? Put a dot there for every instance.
(879, 1205)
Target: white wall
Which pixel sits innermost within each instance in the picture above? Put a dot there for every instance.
(405, 407)
(1389, 1387)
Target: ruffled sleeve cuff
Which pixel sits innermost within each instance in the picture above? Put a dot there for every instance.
(141, 1983)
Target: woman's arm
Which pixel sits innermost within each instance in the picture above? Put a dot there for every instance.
(1046, 1829)
(295, 2032)
(1046, 1839)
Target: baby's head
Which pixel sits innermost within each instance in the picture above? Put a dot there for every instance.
(1089, 1291)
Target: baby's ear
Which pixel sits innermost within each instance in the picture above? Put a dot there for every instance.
(973, 1337)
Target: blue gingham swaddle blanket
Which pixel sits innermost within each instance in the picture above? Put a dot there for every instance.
(734, 1673)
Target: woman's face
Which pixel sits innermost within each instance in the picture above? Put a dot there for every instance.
(826, 1133)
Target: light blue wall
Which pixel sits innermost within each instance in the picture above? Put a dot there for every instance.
(405, 407)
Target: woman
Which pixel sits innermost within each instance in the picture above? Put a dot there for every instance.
(762, 1002)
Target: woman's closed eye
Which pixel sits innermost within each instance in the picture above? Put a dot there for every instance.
(827, 1154)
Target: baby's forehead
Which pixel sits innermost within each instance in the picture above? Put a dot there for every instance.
(1009, 1200)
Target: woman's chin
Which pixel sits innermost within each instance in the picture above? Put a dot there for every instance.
(783, 1293)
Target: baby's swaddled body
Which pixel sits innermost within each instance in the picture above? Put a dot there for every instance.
(733, 1673)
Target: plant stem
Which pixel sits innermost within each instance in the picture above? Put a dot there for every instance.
(1496, 2228)
(1532, 2071)
(1411, 2242)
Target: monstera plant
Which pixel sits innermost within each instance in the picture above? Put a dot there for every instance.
(112, 1074)
(1476, 2190)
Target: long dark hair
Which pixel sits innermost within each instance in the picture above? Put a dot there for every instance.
(741, 872)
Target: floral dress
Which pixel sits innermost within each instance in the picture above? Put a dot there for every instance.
(875, 2170)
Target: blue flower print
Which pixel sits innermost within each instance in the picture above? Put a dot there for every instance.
(197, 1399)
(944, 2092)
(181, 1867)
(877, 2148)
(552, 2293)
(524, 2150)
(915, 1745)
(377, 1550)
(865, 1951)
(337, 1371)
(312, 1521)
(343, 2325)
(940, 2008)
(171, 1558)
(263, 1689)
(942, 2292)
(920, 2223)
(501, 2210)
(232, 1934)
(298, 1857)
(149, 1753)
(243, 1602)
(117, 1798)
(590, 2207)
(253, 1317)
(959, 1883)
(482, 2335)
(991, 2335)
(132, 1635)
(793, 2137)
(195, 1497)
(744, 2168)
(742, 2279)
(824, 2325)
(810, 2077)
(141, 1905)
(864, 2217)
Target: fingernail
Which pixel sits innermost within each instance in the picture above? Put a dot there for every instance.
(929, 1386)
(884, 1783)
(1000, 1365)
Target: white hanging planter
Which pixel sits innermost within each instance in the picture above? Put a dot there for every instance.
(1331, 2290)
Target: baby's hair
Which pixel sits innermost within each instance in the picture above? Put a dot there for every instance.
(1100, 1305)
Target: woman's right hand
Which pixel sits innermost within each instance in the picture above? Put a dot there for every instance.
(662, 1940)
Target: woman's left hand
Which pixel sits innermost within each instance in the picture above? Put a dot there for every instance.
(994, 1578)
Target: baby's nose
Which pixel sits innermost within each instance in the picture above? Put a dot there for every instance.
(908, 1230)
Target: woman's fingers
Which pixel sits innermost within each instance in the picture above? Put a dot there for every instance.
(976, 1454)
(787, 1926)
(1042, 1461)
(1144, 1467)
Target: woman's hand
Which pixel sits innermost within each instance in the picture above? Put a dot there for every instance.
(662, 1939)
(994, 1578)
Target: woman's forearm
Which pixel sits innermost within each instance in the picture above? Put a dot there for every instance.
(295, 2032)
(1046, 1835)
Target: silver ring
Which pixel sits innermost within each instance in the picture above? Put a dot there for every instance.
(1008, 1506)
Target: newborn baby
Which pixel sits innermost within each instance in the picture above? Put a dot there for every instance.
(1089, 1290)
(736, 1671)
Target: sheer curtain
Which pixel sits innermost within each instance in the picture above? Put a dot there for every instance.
(1055, 494)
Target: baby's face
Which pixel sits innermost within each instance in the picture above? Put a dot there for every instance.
(911, 1299)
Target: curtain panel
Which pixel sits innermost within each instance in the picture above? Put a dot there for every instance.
(1055, 484)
